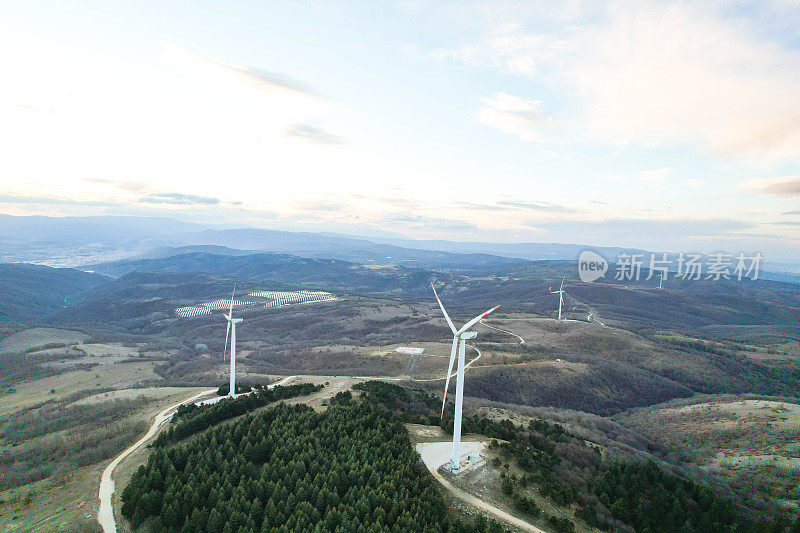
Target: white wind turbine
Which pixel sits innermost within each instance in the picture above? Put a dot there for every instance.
(231, 329)
(459, 345)
(560, 293)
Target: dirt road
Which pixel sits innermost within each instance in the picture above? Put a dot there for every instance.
(105, 514)
(444, 377)
(435, 454)
(521, 340)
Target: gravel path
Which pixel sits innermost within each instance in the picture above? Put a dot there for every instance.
(435, 454)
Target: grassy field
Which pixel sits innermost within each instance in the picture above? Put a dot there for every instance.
(57, 388)
(69, 502)
(58, 431)
(87, 354)
(33, 338)
(747, 444)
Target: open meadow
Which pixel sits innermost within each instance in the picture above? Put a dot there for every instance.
(747, 445)
(57, 431)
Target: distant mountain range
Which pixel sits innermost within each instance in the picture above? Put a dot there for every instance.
(81, 241)
(82, 230)
(30, 238)
(530, 251)
(343, 248)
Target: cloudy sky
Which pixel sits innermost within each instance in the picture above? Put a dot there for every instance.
(667, 126)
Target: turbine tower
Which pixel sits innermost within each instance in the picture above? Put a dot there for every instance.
(460, 337)
(560, 293)
(660, 280)
(231, 329)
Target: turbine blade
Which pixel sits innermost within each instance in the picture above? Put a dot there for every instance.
(449, 371)
(227, 332)
(469, 324)
(446, 316)
(230, 310)
(562, 283)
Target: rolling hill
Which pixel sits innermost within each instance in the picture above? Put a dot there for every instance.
(682, 305)
(32, 292)
(353, 249)
(288, 270)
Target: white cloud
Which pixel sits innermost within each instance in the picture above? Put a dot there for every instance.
(181, 121)
(511, 49)
(313, 134)
(515, 115)
(656, 72)
(780, 186)
(673, 73)
(656, 177)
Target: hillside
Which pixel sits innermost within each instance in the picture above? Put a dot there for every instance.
(345, 469)
(640, 360)
(288, 270)
(683, 305)
(518, 287)
(349, 465)
(634, 352)
(32, 292)
(353, 249)
(136, 302)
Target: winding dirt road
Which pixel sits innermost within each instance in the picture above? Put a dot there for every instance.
(451, 375)
(105, 514)
(521, 340)
(435, 454)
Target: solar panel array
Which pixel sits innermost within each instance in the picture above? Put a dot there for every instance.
(256, 300)
(189, 312)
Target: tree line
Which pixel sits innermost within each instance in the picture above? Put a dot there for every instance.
(190, 418)
(650, 499)
(350, 468)
(572, 474)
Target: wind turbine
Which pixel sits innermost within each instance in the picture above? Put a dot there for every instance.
(460, 337)
(231, 329)
(560, 293)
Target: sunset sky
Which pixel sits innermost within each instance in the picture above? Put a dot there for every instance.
(666, 126)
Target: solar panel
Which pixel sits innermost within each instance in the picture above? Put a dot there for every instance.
(255, 300)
